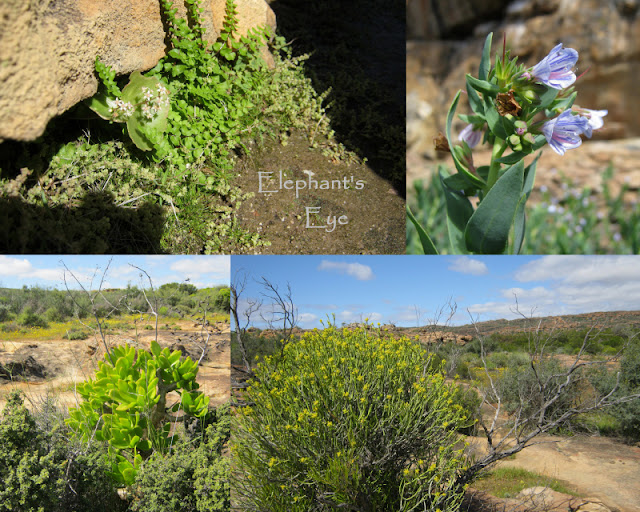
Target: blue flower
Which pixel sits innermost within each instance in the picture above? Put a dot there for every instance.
(470, 136)
(556, 69)
(564, 131)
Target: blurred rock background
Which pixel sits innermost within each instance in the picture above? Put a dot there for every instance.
(444, 42)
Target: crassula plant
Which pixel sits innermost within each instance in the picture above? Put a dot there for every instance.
(517, 111)
(143, 105)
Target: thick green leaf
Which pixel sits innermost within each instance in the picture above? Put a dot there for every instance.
(459, 211)
(488, 229)
(472, 119)
(519, 225)
(155, 348)
(99, 105)
(483, 86)
(566, 103)
(485, 61)
(475, 101)
(483, 172)
(513, 158)
(547, 97)
(138, 126)
(461, 168)
(530, 176)
(427, 244)
(174, 357)
(458, 182)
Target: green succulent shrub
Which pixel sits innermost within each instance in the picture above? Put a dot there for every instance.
(125, 405)
(349, 419)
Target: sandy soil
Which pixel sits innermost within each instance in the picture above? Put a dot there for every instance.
(599, 468)
(372, 212)
(68, 362)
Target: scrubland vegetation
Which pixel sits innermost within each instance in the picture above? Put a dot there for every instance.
(40, 313)
(334, 416)
(141, 436)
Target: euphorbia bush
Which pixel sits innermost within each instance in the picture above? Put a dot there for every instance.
(126, 404)
(349, 418)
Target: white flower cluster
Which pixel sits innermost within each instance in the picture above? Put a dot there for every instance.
(153, 103)
(120, 110)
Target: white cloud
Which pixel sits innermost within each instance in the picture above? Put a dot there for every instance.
(19, 268)
(307, 318)
(573, 284)
(358, 270)
(581, 269)
(348, 317)
(467, 265)
(204, 267)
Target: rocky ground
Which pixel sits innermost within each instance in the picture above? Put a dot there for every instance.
(283, 218)
(53, 367)
(602, 471)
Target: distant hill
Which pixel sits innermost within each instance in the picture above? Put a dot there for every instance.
(612, 319)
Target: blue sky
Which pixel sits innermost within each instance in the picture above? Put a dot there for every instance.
(390, 288)
(47, 271)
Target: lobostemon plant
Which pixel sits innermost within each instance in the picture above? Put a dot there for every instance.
(514, 109)
(125, 404)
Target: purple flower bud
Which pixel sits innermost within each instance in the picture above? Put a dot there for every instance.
(563, 132)
(556, 69)
(470, 136)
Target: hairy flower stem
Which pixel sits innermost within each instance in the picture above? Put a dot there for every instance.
(498, 148)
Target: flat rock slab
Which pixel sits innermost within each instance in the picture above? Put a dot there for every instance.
(598, 467)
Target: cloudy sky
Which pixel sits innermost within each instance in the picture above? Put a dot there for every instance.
(399, 288)
(48, 271)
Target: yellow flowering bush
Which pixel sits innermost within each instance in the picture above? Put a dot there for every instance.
(349, 418)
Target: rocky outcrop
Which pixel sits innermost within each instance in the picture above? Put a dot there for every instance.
(22, 367)
(48, 49)
(435, 19)
(606, 35)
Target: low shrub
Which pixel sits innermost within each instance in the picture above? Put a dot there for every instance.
(125, 404)
(628, 413)
(53, 315)
(42, 471)
(193, 477)
(28, 318)
(528, 388)
(75, 333)
(349, 418)
(5, 313)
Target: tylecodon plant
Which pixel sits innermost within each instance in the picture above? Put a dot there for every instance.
(517, 109)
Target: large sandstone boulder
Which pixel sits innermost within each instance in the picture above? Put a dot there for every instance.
(48, 49)
(606, 35)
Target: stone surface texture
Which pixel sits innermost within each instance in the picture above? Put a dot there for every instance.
(446, 47)
(48, 49)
